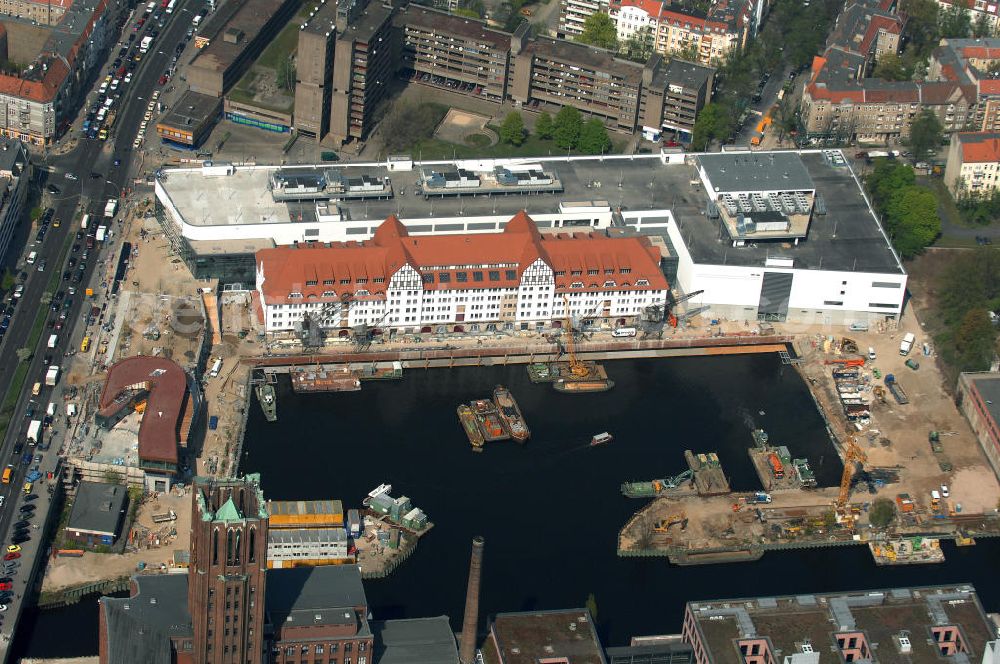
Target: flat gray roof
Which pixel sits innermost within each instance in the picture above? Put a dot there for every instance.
(846, 238)
(98, 508)
(415, 641)
(756, 171)
(139, 628)
(326, 595)
(191, 110)
(988, 386)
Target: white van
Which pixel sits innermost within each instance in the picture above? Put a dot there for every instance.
(31, 257)
(871, 354)
(216, 367)
(935, 496)
(623, 332)
(53, 340)
(51, 410)
(906, 345)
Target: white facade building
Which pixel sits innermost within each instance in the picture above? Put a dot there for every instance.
(518, 279)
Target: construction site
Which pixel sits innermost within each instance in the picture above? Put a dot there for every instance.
(908, 447)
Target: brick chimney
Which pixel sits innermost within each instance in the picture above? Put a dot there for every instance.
(467, 647)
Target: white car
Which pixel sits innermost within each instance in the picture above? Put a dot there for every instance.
(150, 106)
(128, 78)
(70, 176)
(944, 491)
(148, 116)
(143, 125)
(3, 607)
(156, 95)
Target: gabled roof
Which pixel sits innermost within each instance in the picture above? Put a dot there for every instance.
(979, 147)
(228, 512)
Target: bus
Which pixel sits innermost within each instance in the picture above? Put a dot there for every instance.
(7, 473)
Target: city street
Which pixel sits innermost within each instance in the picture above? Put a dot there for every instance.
(79, 193)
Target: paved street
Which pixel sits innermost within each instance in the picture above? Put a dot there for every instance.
(69, 167)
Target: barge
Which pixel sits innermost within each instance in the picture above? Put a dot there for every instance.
(471, 427)
(510, 413)
(317, 380)
(488, 419)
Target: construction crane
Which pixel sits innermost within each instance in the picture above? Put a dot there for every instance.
(672, 303)
(576, 367)
(853, 454)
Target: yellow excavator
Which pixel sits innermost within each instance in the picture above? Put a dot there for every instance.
(663, 525)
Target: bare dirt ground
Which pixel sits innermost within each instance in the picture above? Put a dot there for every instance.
(67, 572)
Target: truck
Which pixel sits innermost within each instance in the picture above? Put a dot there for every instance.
(34, 432)
(111, 207)
(84, 222)
(897, 392)
(53, 341)
(906, 345)
(169, 515)
(102, 233)
(52, 376)
(777, 468)
(759, 497)
(216, 368)
(144, 44)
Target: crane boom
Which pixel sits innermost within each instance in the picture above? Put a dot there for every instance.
(576, 367)
(852, 454)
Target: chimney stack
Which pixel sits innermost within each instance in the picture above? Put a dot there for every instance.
(467, 647)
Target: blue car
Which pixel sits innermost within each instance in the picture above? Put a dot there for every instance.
(26, 459)
(33, 476)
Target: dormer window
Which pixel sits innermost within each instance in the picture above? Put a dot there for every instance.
(328, 282)
(642, 282)
(576, 273)
(362, 280)
(593, 273)
(293, 295)
(625, 270)
(609, 284)
(576, 284)
(329, 293)
(311, 283)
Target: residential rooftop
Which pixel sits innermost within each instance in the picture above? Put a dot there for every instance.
(231, 29)
(585, 56)
(415, 641)
(988, 386)
(303, 596)
(190, 111)
(366, 24)
(796, 624)
(98, 508)
(322, 20)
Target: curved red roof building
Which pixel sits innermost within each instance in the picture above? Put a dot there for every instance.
(171, 403)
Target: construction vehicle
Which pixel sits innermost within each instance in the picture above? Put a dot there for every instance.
(852, 455)
(851, 362)
(576, 367)
(663, 525)
(761, 128)
(672, 303)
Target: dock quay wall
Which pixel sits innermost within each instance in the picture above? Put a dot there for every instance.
(73, 594)
(454, 356)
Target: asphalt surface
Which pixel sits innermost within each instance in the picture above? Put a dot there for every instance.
(89, 195)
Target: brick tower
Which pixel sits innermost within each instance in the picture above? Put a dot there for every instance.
(467, 646)
(227, 572)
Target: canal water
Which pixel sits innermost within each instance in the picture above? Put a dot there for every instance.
(550, 511)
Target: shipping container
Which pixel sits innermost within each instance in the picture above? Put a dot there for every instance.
(213, 422)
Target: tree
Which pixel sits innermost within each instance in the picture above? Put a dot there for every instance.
(890, 68)
(954, 21)
(921, 25)
(975, 341)
(544, 126)
(912, 220)
(926, 133)
(599, 30)
(23, 354)
(512, 129)
(688, 52)
(566, 127)
(882, 513)
(982, 27)
(7, 281)
(639, 46)
(711, 124)
(786, 117)
(887, 178)
(593, 138)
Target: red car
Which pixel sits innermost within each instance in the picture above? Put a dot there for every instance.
(6, 586)
(12, 556)
(163, 80)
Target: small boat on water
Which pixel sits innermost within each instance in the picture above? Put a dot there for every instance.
(471, 427)
(583, 386)
(601, 439)
(268, 403)
(489, 420)
(511, 414)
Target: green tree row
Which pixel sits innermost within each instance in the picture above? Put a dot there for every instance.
(567, 129)
(908, 210)
(968, 290)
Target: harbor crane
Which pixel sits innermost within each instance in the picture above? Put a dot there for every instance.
(576, 367)
(852, 454)
(672, 303)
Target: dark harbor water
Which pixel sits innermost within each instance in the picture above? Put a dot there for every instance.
(550, 511)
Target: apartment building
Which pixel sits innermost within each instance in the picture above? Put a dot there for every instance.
(15, 173)
(43, 12)
(314, 72)
(970, 63)
(556, 73)
(518, 279)
(973, 165)
(455, 50)
(987, 11)
(685, 86)
(726, 27)
(364, 61)
(573, 14)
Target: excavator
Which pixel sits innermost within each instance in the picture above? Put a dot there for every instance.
(663, 525)
(576, 367)
(852, 455)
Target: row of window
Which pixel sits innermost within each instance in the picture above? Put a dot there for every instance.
(462, 277)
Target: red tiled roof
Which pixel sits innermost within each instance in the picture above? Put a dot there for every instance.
(980, 52)
(159, 431)
(651, 7)
(979, 150)
(304, 269)
(39, 91)
(891, 25)
(989, 86)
